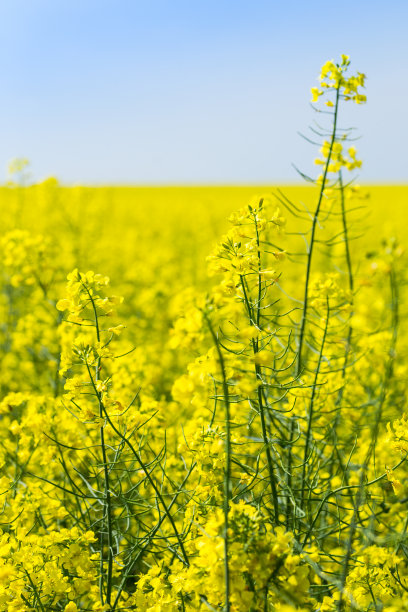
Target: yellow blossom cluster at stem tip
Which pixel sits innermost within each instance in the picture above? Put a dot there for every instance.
(333, 77)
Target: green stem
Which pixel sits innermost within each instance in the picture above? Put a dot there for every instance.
(255, 346)
(349, 269)
(312, 236)
(37, 595)
(258, 375)
(353, 528)
(152, 483)
(107, 515)
(389, 368)
(148, 539)
(227, 475)
(311, 408)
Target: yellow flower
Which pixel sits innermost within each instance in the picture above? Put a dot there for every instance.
(63, 304)
(315, 93)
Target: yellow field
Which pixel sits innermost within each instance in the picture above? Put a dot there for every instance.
(181, 218)
(156, 541)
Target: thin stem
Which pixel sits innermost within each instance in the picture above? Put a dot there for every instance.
(37, 595)
(289, 474)
(311, 408)
(227, 474)
(255, 346)
(353, 528)
(258, 375)
(152, 483)
(312, 236)
(389, 367)
(107, 494)
(349, 269)
(346, 237)
(148, 539)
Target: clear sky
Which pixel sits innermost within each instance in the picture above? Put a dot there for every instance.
(194, 91)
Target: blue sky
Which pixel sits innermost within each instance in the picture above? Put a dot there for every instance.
(193, 91)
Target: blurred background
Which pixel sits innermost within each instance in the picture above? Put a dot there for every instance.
(163, 92)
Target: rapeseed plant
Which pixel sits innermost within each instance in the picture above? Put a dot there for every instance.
(231, 443)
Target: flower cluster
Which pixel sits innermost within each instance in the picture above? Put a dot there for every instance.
(337, 158)
(333, 77)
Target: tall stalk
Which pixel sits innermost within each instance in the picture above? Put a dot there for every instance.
(107, 494)
(255, 346)
(311, 408)
(227, 472)
(258, 375)
(313, 231)
(349, 268)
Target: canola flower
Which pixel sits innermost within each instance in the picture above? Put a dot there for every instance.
(172, 442)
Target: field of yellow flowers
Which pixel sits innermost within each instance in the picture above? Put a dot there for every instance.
(203, 392)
